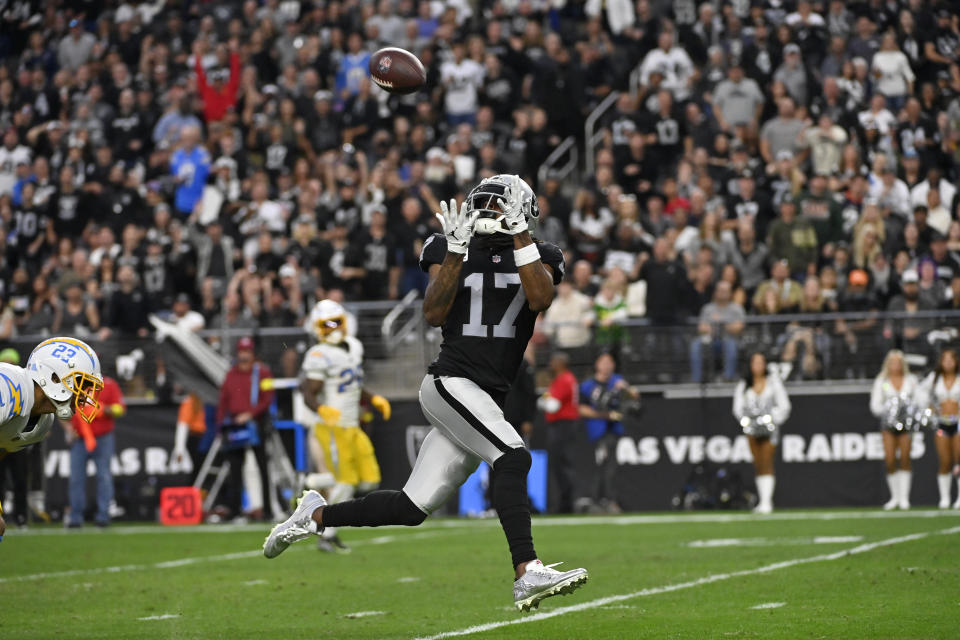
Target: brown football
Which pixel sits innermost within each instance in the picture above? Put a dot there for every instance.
(397, 70)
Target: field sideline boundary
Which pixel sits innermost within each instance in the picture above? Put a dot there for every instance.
(710, 579)
(538, 521)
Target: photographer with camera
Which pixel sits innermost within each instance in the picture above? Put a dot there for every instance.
(604, 399)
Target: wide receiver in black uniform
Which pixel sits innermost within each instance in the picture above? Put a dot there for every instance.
(488, 281)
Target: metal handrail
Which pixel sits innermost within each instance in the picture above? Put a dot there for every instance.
(635, 79)
(591, 137)
(568, 144)
(391, 338)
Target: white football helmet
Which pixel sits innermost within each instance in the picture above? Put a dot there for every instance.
(328, 322)
(68, 372)
(484, 196)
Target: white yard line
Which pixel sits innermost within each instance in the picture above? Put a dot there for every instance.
(364, 614)
(717, 577)
(769, 605)
(548, 521)
(712, 543)
(185, 562)
(166, 616)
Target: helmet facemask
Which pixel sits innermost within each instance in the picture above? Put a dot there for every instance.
(85, 401)
(332, 330)
(485, 199)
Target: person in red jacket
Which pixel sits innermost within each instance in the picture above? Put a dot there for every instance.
(560, 406)
(94, 441)
(243, 418)
(221, 95)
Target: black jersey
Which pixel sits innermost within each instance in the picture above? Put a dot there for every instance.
(490, 322)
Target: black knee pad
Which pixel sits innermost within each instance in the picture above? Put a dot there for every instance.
(514, 461)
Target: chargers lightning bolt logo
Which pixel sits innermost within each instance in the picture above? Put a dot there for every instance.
(15, 394)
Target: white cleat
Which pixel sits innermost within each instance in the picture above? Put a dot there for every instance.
(763, 509)
(944, 504)
(956, 505)
(541, 582)
(890, 504)
(298, 526)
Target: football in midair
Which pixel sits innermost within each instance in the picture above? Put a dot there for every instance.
(397, 70)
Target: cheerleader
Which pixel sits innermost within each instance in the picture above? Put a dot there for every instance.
(761, 406)
(940, 392)
(891, 401)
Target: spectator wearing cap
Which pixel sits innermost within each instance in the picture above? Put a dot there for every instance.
(857, 298)
(909, 334)
(190, 166)
(947, 263)
(185, 317)
(461, 78)
(244, 420)
(76, 48)
(218, 94)
(792, 73)
(780, 133)
(793, 238)
(737, 100)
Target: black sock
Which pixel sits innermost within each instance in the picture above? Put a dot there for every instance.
(376, 509)
(512, 504)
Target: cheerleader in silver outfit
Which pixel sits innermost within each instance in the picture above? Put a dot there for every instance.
(892, 402)
(940, 392)
(761, 406)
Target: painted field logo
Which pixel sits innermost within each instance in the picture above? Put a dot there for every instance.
(384, 64)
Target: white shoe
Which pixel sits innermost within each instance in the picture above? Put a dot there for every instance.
(904, 505)
(956, 505)
(944, 504)
(890, 504)
(541, 582)
(763, 509)
(298, 526)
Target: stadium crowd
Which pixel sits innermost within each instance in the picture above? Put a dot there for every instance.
(231, 162)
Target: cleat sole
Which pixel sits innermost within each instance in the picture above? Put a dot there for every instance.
(560, 589)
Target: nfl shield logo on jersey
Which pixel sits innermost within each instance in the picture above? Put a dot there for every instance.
(496, 258)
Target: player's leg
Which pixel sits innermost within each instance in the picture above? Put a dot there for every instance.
(368, 469)
(343, 443)
(469, 417)
(441, 467)
(19, 472)
(890, 461)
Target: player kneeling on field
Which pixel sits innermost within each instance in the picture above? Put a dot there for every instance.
(488, 282)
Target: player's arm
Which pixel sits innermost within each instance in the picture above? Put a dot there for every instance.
(445, 277)
(535, 276)
(311, 390)
(377, 401)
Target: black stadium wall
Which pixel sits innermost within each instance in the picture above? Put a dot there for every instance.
(830, 454)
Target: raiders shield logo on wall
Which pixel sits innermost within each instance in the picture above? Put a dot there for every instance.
(415, 437)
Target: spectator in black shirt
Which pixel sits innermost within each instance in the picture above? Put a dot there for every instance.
(127, 308)
(665, 277)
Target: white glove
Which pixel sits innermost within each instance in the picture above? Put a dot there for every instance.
(513, 221)
(457, 227)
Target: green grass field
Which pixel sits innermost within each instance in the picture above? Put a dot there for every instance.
(828, 574)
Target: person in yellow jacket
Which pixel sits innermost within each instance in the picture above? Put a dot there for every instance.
(332, 386)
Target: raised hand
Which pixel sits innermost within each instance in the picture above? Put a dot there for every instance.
(514, 221)
(457, 225)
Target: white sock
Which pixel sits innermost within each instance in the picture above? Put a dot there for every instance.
(765, 485)
(893, 483)
(329, 532)
(958, 489)
(943, 483)
(906, 479)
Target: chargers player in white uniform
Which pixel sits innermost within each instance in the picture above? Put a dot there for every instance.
(332, 387)
(62, 377)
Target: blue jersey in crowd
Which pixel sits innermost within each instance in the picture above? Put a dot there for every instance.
(191, 169)
(591, 392)
(353, 68)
